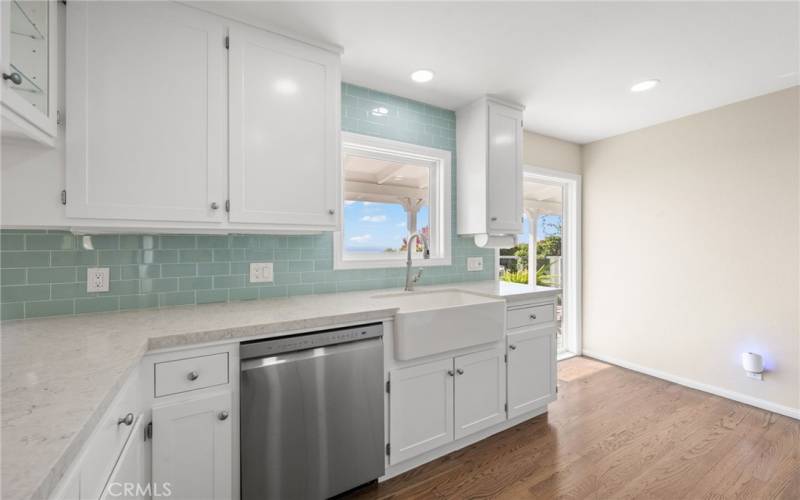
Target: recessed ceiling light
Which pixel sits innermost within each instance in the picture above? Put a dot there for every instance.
(380, 111)
(422, 75)
(645, 85)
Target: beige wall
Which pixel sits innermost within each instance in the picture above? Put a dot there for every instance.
(543, 151)
(690, 247)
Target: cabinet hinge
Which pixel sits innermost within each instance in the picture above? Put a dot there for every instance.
(60, 118)
(148, 431)
(63, 196)
(388, 449)
(227, 42)
(388, 386)
(227, 205)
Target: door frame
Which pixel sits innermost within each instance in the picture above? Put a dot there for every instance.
(570, 250)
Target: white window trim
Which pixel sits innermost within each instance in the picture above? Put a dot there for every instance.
(441, 219)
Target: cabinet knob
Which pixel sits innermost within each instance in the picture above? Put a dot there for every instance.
(223, 415)
(460, 371)
(193, 375)
(15, 78)
(331, 211)
(532, 316)
(214, 205)
(512, 347)
(494, 218)
(127, 419)
(451, 373)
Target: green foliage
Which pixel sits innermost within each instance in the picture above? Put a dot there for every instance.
(516, 276)
(549, 246)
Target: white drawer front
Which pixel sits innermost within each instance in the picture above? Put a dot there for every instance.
(529, 316)
(106, 444)
(173, 377)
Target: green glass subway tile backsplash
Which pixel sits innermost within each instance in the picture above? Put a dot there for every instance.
(44, 272)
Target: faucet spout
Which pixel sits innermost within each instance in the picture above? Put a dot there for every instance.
(426, 254)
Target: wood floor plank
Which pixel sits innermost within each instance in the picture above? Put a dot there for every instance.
(614, 433)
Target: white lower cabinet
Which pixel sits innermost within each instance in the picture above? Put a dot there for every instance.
(434, 403)
(420, 409)
(480, 391)
(193, 447)
(131, 476)
(531, 369)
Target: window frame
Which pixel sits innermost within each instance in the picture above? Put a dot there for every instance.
(439, 197)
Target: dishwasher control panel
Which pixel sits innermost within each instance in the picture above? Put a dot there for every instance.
(304, 341)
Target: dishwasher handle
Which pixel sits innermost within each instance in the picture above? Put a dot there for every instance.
(317, 352)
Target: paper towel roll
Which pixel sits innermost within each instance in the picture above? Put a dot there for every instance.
(496, 241)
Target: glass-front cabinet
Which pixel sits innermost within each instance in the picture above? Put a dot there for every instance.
(29, 66)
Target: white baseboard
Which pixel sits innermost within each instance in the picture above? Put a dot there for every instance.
(719, 391)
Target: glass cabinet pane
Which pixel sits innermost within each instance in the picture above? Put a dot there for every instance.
(29, 46)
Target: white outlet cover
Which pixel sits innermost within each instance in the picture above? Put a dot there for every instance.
(475, 264)
(97, 279)
(261, 272)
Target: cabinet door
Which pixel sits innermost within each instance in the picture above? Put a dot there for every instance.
(531, 370)
(480, 391)
(505, 170)
(420, 409)
(146, 93)
(131, 477)
(193, 447)
(29, 55)
(284, 131)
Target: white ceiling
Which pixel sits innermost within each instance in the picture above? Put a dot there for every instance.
(570, 63)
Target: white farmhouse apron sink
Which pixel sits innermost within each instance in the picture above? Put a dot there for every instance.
(439, 321)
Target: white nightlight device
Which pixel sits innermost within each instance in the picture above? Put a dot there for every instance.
(753, 365)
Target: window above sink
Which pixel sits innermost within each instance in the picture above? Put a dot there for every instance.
(391, 190)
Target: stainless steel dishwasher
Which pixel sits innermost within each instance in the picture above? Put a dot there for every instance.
(312, 413)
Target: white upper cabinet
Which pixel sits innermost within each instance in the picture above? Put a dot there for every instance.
(284, 131)
(146, 97)
(489, 177)
(177, 116)
(29, 31)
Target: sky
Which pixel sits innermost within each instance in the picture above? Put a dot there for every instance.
(374, 227)
(549, 225)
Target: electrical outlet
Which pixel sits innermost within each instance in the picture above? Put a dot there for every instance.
(475, 264)
(97, 279)
(261, 272)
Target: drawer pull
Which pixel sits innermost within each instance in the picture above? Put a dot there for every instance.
(223, 415)
(451, 373)
(193, 375)
(512, 347)
(127, 419)
(532, 316)
(460, 371)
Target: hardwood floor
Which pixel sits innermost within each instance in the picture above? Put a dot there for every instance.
(614, 433)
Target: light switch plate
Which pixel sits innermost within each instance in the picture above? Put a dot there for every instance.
(261, 272)
(474, 263)
(97, 279)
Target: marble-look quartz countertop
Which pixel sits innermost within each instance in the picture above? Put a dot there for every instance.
(59, 375)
